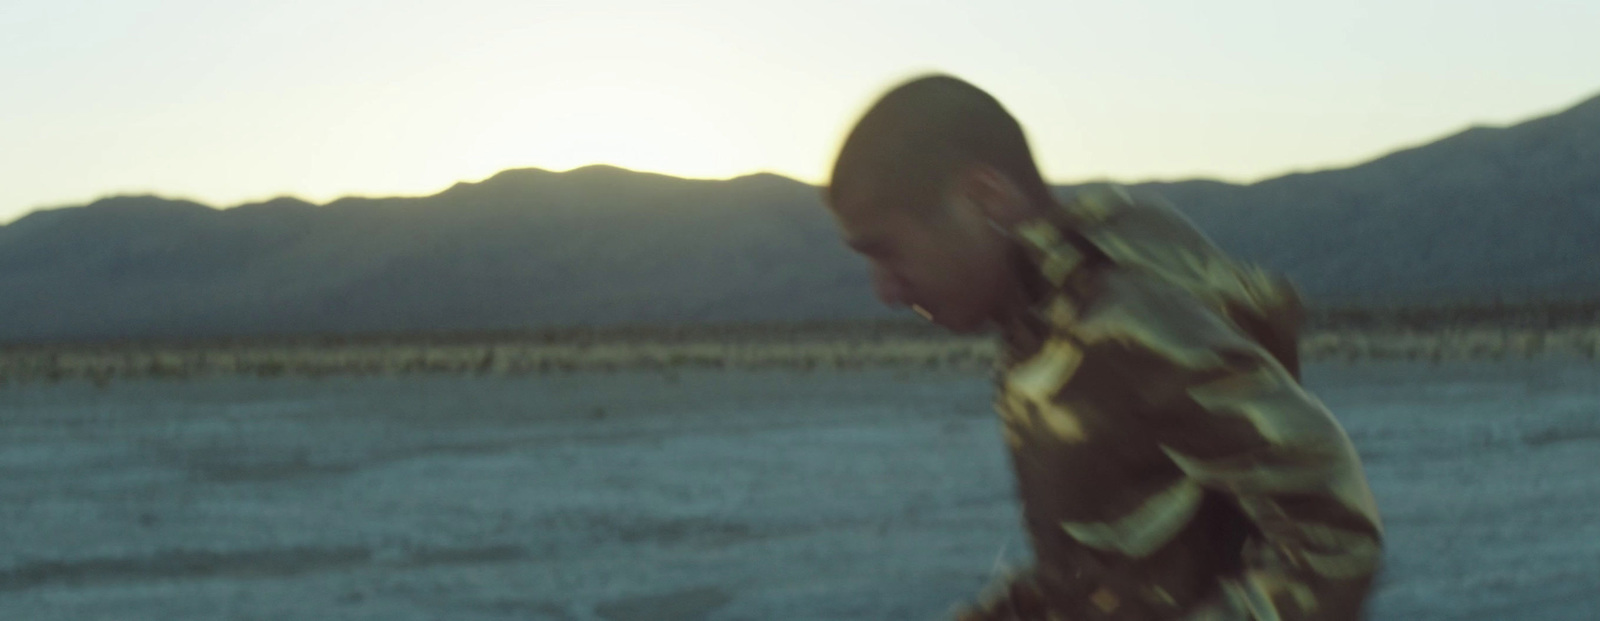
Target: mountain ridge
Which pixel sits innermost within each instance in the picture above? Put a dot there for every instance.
(1483, 213)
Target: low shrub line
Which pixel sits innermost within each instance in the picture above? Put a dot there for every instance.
(754, 350)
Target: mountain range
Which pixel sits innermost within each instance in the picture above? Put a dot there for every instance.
(1485, 214)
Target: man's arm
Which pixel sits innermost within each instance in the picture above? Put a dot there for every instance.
(1233, 419)
(1229, 416)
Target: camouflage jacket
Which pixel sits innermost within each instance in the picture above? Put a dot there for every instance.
(1170, 466)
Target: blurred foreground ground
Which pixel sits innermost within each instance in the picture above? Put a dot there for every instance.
(716, 495)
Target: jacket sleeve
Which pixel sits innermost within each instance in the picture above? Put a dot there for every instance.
(1235, 420)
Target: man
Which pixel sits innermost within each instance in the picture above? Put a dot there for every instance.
(1169, 464)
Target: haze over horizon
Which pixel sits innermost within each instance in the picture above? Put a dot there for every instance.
(225, 104)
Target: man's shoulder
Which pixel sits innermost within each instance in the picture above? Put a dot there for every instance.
(1139, 310)
(1144, 276)
(1143, 232)
(1138, 229)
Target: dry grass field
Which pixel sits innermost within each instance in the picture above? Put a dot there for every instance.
(821, 472)
(671, 349)
(701, 495)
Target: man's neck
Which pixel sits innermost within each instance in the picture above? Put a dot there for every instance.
(1019, 324)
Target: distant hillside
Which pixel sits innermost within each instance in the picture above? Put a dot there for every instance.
(1484, 214)
(525, 247)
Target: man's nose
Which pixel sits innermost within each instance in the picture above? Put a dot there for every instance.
(889, 289)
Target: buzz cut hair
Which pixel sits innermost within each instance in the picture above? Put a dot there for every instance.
(916, 137)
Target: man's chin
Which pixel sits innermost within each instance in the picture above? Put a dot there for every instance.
(958, 325)
(966, 327)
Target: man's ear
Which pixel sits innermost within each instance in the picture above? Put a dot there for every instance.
(999, 198)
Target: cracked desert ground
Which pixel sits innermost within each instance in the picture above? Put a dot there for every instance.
(716, 494)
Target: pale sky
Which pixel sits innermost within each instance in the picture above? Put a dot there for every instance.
(227, 102)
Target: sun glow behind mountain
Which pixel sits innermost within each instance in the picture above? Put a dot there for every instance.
(228, 102)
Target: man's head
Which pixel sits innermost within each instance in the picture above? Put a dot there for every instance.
(924, 187)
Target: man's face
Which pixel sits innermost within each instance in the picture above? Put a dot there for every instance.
(942, 260)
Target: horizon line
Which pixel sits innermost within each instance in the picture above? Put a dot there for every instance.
(1199, 177)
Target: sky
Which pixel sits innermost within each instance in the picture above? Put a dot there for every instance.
(231, 102)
